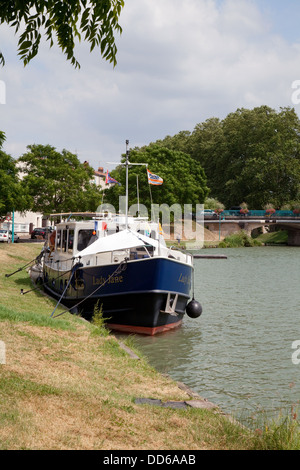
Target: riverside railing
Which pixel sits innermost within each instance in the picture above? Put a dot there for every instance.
(260, 213)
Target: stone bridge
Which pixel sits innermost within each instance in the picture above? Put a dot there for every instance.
(224, 226)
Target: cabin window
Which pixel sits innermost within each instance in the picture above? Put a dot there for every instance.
(86, 238)
(64, 240)
(71, 241)
(58, 240)
(141, 252)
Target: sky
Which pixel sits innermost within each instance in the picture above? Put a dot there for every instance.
(180, 62)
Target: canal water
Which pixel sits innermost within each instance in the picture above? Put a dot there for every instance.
(239, 353)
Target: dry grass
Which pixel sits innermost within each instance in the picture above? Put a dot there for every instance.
(62, 387)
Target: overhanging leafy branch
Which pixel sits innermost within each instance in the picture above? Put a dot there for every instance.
(96, 20)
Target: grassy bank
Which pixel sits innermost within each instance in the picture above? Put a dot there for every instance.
(274, 238)
(66, 386)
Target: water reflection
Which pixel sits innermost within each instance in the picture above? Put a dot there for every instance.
(168, 351)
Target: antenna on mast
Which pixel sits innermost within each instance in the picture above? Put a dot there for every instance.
(127, 164)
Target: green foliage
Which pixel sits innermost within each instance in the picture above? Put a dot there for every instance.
(2, 138)
(282, 433)
(13, 383)
(179, 142)
(184, 178)
(13, 315)
(99, 321)
(295, 205)
(96, 20)
(279, 237)
(212, 203)
(261, 162)
(12, 195)
(237, 240)
(251, 156)
(58, 182)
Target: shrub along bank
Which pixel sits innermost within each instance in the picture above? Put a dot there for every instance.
(239, 239)
(242, 239)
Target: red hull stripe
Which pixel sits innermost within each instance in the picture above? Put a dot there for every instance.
(144, 330)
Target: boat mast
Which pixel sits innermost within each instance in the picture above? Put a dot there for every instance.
(127, 164)
(138, 196)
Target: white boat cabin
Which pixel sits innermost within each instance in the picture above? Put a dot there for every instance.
(100, 242)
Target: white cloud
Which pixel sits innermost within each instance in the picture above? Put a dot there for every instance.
(179, 63)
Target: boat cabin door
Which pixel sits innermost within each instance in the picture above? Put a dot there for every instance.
(65, 240)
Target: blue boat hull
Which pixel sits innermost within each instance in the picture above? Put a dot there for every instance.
(133, 296)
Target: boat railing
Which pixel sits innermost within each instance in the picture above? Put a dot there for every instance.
(60, 264)
(180, 254)
(117, 256)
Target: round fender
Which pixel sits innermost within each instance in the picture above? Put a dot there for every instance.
(194, 309)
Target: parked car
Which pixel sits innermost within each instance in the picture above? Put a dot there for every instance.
(40, 232)
(207, 213)
(6, 236)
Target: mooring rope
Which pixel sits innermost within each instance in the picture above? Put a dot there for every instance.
(46, 282)
(73, 270)
(21, 269)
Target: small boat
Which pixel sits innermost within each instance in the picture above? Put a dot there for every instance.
(122, 265)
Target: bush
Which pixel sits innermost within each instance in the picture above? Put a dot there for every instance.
(237, 240)
(214, 204)
(99, 321)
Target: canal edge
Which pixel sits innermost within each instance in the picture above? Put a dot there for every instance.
(196, 400)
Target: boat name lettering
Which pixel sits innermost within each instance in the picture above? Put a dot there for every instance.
(97, 281)
(184, 279)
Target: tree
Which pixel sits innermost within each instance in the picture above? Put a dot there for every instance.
(184, 181)
(251, 155)
(12, 194)
(261, 163)
(208, 146)
(96, 20)
(2, 138)
(180, 141)
(58, 182)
